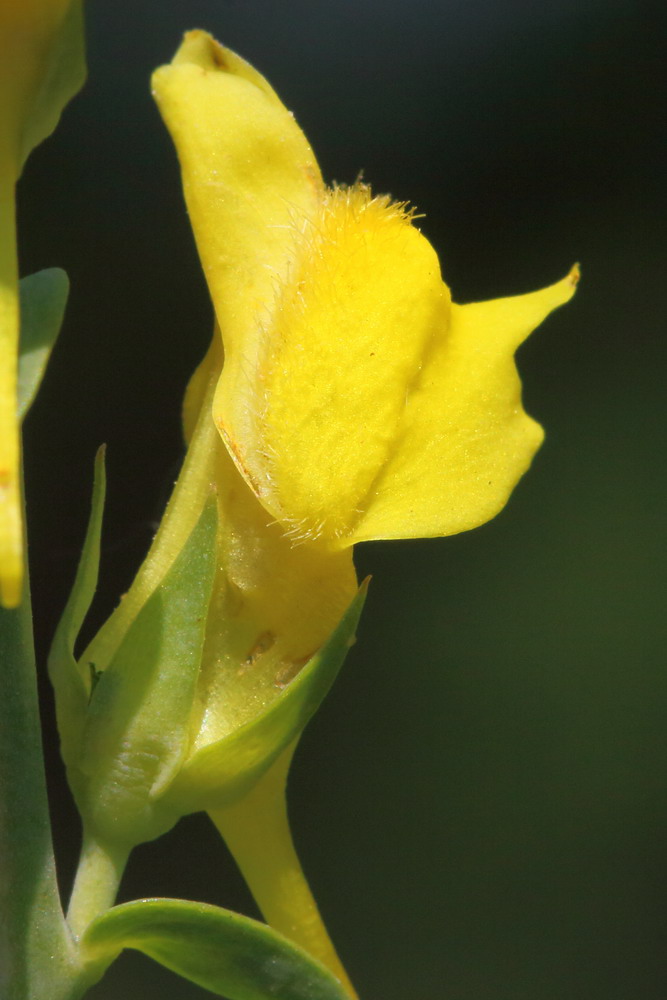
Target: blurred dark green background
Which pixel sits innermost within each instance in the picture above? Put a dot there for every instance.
(481, 805)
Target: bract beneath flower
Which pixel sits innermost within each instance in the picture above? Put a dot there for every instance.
(356, 399)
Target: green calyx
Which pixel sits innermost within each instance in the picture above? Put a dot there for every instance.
(125, 735)
(127, 729)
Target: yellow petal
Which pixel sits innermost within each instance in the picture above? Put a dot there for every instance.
(274, 605)
(356, 401)
(348, 339)
(250, 180)
(465, 439)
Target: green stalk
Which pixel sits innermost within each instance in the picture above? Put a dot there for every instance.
(37, 954)
(96, 884)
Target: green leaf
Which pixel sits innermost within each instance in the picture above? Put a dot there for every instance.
(71, 686)
(138, 722)
(228, 954)
(43, 299)
(222, 772)
(63, 74)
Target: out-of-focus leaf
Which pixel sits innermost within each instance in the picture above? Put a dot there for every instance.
(62, 75)
(43, 299)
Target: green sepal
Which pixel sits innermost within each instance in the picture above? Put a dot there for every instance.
(226, 953)
(43, 298)
(72, 686)
(137, 727)
(63, 74)
(221, 773)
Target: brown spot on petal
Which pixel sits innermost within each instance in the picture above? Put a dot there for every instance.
(263, 643)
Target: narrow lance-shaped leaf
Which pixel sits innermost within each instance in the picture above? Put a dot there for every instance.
(72, 688)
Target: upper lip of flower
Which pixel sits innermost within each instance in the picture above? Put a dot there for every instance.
(355, 399)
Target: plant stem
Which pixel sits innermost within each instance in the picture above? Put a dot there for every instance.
(96, 883)
(37, 955)
(257, 832)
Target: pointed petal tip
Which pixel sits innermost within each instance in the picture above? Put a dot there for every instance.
(568, 286)
(201, 48)
(544, 301)
(198, 49)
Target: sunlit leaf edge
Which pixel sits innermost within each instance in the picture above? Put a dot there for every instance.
(229, 954)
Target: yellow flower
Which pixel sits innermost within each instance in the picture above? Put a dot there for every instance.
(356, 399)
(41, 67)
